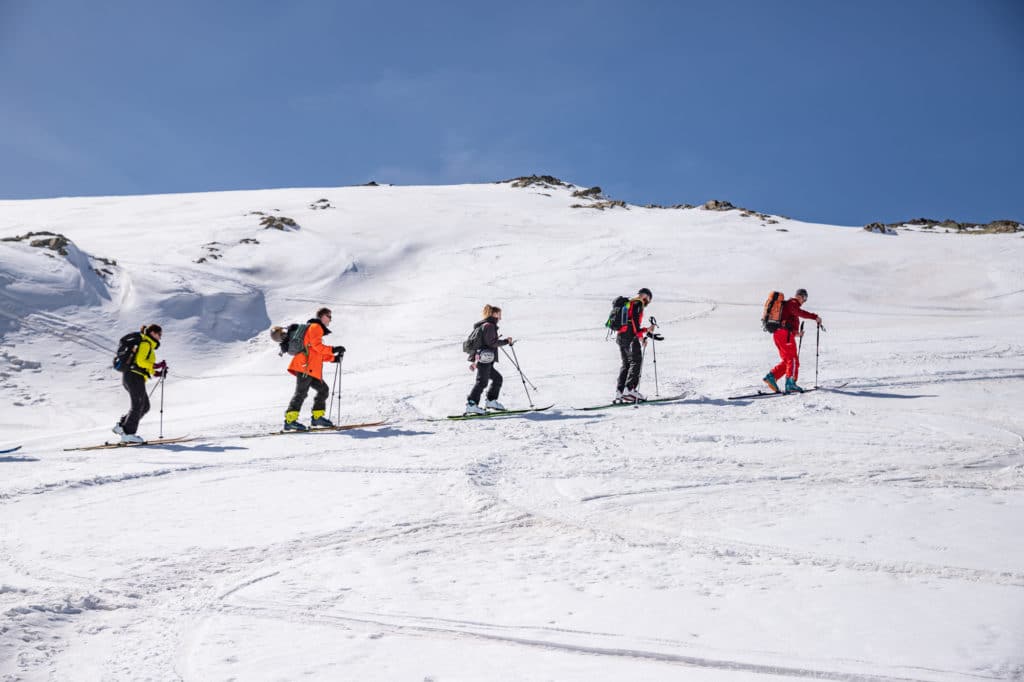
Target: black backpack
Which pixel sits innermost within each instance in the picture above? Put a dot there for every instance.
(127, 347)
(617, 318)
(475, 340)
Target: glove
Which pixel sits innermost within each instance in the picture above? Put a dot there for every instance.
(339, 353)
(160, 369)
(656, 337)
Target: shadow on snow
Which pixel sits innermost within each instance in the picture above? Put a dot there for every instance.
(384, 432)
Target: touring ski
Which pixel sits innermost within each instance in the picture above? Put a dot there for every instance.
(495, 413)
(769, 394)
(9, 450)
(316, 429)
(634, 404)
(111, 446)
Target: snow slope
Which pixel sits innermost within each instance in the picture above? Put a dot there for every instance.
(869, 532)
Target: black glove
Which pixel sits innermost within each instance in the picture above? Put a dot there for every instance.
(339, 353)
(656, 337)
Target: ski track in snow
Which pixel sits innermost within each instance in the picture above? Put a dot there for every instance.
(822, 536)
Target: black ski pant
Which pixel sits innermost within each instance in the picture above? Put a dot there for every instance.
(486, 371)
(303, 382)
(135, 384)
(632, 353)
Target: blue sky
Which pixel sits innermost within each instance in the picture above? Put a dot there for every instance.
(842, 112)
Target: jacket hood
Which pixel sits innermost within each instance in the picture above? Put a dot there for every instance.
(147, 337)
(485, 321)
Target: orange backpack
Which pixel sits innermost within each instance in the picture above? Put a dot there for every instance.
(772, 318)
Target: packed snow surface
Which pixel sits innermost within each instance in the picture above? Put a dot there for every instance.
(870, 530)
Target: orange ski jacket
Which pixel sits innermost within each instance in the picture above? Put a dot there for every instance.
(314, 354)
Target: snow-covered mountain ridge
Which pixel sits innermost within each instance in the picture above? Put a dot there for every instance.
(864, 532)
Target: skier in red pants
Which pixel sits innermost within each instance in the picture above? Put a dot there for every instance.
(785, 340)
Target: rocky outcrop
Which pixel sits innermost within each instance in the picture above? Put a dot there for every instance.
(674, 206)
(544, 181)
(48, 240)
(879, 228)
(62, 246)
(946, 227)
(278, 222)
(602, 204)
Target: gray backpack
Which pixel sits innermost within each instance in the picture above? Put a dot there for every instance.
(290, 338)
(296, 339)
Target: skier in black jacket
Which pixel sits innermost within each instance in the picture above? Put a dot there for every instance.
(484, 361)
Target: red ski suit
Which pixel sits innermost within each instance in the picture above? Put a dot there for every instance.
(785, 339)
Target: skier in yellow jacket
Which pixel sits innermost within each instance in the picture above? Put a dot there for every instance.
(143, 367)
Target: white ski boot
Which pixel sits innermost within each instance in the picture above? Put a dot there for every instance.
(494, 405)
(131, 438)
(635, 395)
(473, 408)
(118, 429)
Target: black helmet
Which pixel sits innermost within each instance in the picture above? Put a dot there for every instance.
(647, 291)
(801, 292)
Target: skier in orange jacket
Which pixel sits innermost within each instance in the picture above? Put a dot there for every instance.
(308, 368)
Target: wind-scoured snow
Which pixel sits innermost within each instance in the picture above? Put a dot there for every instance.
(863, 532)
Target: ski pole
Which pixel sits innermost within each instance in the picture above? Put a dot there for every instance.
(817, 353)
(334, 392)
(162, 378)
(654, 355)
(515, 361)
(155, 386)
(338, 392)
(800, 342)
(654, 351)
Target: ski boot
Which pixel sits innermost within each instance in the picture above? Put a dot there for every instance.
(118, 429)
(473, 408)
(295, 426)
(620, 398)
(791, 386)
(131, 438)
(772, 384)
(322, 422)
(494, 405)
(637, 396)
